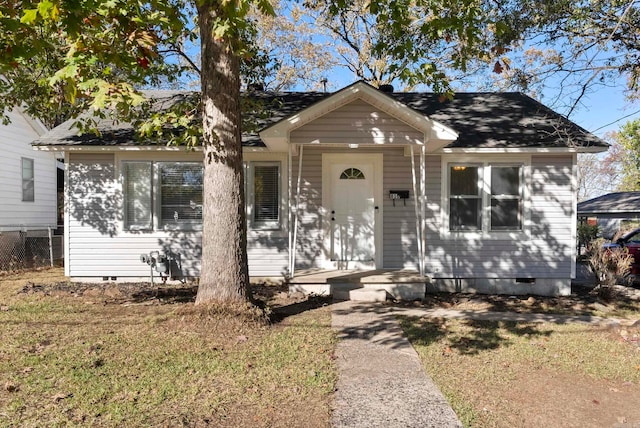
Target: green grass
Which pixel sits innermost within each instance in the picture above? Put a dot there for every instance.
(64, 362)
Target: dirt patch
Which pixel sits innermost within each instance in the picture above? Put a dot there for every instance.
(613, 301)
(116, 293)
(549, 398)
(505, 374)
(282, 304)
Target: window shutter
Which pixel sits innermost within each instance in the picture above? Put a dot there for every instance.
(138, 195)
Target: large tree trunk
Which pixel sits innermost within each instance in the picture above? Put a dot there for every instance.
(224, 274)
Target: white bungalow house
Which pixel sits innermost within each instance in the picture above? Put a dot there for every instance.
(473, 194)
(29, 188)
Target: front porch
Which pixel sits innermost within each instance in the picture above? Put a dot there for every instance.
(353, 284)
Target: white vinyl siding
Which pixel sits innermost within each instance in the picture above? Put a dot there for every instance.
(356, 123)
(99, 243)
(102, 245)
(544, 251)
(16, 138)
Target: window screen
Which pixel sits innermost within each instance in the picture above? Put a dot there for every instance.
(465, 198)
(506, 200)
(266, 194)
(180, 192)
(28, 194)
(138, 195)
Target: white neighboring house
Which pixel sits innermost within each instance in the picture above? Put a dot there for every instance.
(29, 185)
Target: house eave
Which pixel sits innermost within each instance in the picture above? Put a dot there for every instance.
(606, 212)
(539, 150)
(68, 148)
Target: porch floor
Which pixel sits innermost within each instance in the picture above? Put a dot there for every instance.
(358, 276)
(361, 284)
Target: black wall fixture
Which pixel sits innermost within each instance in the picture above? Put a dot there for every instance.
(395, 195)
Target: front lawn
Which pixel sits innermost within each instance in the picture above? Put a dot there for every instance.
(101, 357)
(505, 374)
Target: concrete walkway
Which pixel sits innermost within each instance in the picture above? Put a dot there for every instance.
(381, 381)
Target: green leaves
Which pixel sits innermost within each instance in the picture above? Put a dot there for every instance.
(29, 17)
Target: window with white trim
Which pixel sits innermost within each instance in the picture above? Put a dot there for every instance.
(485, 197)
(263, 195)
(28, 180)
(465, 197)
(506, 197)
(162, 195)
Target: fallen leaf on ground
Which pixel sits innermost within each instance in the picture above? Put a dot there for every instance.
(61, 396)
(10, 387)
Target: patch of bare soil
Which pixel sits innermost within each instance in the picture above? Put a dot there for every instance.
(545, 398)
(282, 304)
(117, 293)
(599, 301)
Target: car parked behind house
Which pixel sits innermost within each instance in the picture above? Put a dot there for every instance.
(630, 241)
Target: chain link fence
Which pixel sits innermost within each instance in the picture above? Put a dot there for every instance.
(30, 248)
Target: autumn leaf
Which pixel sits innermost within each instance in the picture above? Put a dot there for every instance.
(61, 396)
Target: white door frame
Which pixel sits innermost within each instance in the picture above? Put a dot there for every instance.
(374, 159)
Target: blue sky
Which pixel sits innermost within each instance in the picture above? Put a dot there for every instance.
(602, 110)
(603, 107)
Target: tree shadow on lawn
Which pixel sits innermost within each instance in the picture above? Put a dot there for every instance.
(474, 338)
(281, 304)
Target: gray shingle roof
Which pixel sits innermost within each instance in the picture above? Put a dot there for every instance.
(481, 119)
(619, 202)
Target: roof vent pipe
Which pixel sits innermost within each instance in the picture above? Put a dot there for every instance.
(386, 88)
(255, 87)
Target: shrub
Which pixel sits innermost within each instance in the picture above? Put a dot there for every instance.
(587, 233)
(609, 264)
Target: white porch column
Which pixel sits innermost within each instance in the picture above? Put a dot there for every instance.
(297, 215)
(423, 204)
(417, 212)
(289, 211)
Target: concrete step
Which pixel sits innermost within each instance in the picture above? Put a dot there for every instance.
(367, 295)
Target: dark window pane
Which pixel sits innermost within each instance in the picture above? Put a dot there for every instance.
(266, 179)
(464, 180)
(352, 174)
(505, 180)
(464, 214)
(505, 214)
(180, 192)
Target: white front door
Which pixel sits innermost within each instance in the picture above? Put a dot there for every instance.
(352, 202)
